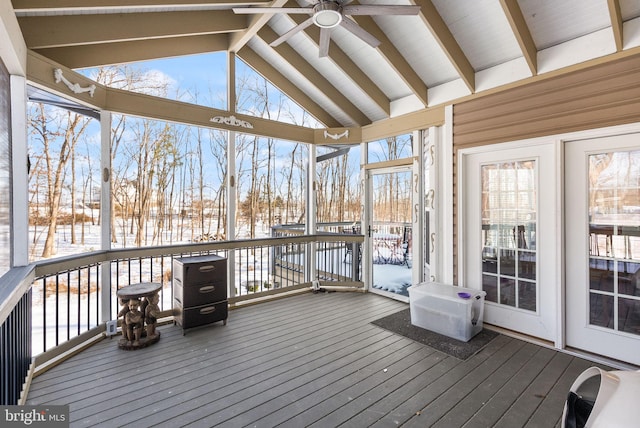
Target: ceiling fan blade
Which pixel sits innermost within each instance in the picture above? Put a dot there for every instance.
(291, 32)
(325, 34)
(372, 9)
(253, 10)
(360, 32)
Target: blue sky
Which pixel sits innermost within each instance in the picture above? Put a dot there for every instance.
(196, 73)
(206, 76)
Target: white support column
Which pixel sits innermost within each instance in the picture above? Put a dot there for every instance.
(418, 209)
(105, 212)
(445, 189)
(232, 189)
(365, 219)
(232, 195)
(310, 227)
(433, 200)
(20, 175)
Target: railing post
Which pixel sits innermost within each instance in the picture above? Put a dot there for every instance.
(365, 216)
(356, 259)
(310, 222)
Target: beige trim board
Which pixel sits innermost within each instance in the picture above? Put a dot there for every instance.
(423, 119)
(390, 163)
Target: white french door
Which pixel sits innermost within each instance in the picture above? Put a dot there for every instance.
(509, 225)
(602, 205)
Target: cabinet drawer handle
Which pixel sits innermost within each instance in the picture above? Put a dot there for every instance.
(208, 310)
(207, 268)
(207, 289)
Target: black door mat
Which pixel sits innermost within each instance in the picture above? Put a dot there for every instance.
(400, 323)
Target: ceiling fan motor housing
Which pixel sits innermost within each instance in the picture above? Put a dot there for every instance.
(327, 14)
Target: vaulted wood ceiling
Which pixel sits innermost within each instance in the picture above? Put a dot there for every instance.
(452, 49)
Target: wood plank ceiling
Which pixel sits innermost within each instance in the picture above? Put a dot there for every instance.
(452, 49)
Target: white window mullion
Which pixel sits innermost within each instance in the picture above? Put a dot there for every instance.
(105, 211)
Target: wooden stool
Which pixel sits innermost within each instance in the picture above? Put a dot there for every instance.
(139, 314)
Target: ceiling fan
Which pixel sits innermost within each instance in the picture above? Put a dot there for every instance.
(328, 14)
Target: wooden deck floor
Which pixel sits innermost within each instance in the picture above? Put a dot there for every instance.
(309, 360)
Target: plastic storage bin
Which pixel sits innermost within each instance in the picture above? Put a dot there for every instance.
(452, 311)
(601, 399)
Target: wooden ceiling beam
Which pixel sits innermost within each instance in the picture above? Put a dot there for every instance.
(616, 23)
(521, 31)
(394, 58)
(262, 67)
(314, 76)
(254, 24)
(57, 31)
(140, 50)
(432, 19)
(57, 5)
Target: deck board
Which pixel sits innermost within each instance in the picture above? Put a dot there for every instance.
(495, 406)
(308, 360)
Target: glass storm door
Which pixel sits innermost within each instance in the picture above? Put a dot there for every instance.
(390, 231)
(509, 237)
(602, 205)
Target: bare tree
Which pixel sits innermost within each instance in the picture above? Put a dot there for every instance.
(218, 148)
(128, 78)
(167, 158)
(58, 145)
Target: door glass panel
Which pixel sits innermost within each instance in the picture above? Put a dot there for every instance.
(509, 215)
(391, 232)
(614, 240)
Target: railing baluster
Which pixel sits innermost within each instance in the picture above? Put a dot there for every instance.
(78, 317)
(97, 294)
(67, 305)
(11, 336)
(88, 297)
(162, 281)
(44, 313)
(57, 311)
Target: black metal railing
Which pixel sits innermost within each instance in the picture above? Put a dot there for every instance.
(60, 300)
(334, 260)
(65, 304)
(15, 350)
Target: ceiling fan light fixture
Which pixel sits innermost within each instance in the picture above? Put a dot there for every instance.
(327, 14)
